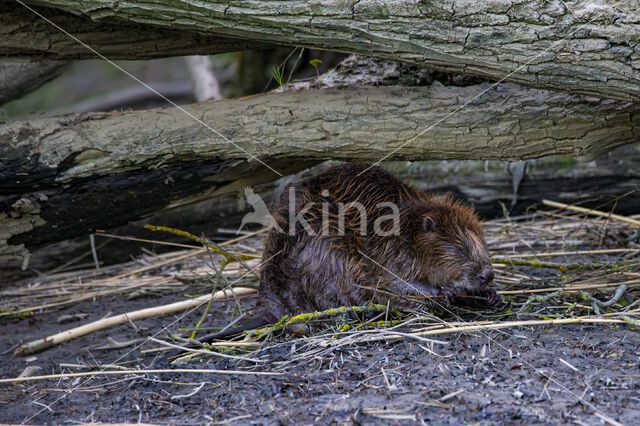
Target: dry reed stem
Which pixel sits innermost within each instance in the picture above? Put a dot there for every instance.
(592, 212)
(204, 351)
(528, 323)
(56, 339)
(18, 380)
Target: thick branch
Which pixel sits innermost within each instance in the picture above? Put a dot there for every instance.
(19, 77)
(508, 122)
(24, 34)
(584, 47)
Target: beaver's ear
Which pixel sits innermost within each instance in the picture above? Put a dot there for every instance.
(428, 224)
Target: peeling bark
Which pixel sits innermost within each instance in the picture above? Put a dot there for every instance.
(583, 47)
(24, 34)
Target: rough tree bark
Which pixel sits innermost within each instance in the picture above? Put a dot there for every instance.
(20, 76)
(584, 47)
(24, 34)
(368, 123)
(58, 213)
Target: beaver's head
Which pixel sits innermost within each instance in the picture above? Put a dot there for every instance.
(447, 240)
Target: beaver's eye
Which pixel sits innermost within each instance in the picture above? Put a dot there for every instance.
(428, 224)
(460, 252)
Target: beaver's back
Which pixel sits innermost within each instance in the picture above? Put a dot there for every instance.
(438, 252)
(302, 270)
(356, 182)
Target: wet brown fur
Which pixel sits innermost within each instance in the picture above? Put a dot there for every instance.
(439, 254)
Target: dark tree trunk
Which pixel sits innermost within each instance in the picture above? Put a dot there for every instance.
(611, 182)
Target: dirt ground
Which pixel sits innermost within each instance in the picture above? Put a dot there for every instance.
(516, 376)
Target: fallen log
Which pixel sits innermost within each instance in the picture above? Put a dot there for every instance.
(582, 47)
(611, 183)
(59, 213)
(509, 122)
(25, 34)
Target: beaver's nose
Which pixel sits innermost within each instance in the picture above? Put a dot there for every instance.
(486, 276)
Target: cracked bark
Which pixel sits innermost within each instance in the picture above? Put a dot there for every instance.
(24, 34)
(34, 219)
(582, 47)
(509, 122)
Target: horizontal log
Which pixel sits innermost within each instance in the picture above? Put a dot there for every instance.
(509, 122)
(583, 47)
(28, 221)
(25, 34)
(610, 182)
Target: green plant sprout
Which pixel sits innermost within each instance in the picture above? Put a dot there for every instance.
(314, 63)
(278, 74)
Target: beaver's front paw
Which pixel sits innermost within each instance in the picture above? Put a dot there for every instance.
(493, 298)
(477, 299)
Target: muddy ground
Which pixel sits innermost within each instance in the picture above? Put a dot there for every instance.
(507, 377)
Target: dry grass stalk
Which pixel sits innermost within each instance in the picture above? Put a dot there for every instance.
(510, 324)
(203, 351)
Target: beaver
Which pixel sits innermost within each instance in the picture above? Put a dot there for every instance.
(355, 234)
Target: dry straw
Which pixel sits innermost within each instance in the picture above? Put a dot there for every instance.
(552, 268)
